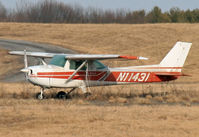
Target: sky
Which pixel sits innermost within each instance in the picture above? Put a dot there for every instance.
(147, 5)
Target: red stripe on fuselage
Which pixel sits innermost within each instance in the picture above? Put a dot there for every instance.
(92, 75)
(159, 68)
(113, 76)
(70, 73)
(141, 76)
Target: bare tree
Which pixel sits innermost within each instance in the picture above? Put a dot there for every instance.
(53, 11)
(3, 12)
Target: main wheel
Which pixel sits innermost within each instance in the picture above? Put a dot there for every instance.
(39, 96)
(87, 94)
(62, 95)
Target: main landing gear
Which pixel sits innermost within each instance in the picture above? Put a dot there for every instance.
(60, 94)
(64, 95)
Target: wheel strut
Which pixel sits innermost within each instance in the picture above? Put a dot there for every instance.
(41, 94)
(71, 91)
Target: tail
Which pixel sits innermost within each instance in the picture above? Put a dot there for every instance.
(176, 57)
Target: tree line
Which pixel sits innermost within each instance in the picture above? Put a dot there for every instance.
(52, 11)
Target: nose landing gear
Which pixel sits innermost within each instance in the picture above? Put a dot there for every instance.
(40, 95)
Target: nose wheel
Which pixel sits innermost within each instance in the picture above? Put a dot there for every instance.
(40, 95)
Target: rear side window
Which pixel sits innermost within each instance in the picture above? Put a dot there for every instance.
(98, 65)
(58, 60)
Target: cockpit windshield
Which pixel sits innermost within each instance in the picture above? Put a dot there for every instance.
(58, 60)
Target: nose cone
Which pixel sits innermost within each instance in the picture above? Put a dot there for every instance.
(25, 70)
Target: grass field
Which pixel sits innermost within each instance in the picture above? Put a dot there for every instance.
(32, 118)
(160, 110)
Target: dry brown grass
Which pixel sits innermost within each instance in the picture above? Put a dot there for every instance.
(53, 118)
(112, 95)
(135, 110)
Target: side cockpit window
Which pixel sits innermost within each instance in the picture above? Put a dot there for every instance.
(74, 64)
(92, 65)
(58, 60)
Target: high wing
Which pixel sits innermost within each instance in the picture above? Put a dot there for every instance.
(35, 54)
(77, 56)
(100, 57)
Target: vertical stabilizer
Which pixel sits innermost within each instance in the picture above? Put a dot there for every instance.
(177, 55)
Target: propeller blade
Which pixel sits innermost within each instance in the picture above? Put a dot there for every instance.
(25, 59)
(25, 70)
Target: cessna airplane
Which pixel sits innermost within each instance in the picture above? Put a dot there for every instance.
(85, 70)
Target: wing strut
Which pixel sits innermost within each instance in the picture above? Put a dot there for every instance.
(81, 66)
(87, 77)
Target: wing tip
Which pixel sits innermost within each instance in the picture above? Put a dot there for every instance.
(12, 52)
(133, 57)
(143, 58)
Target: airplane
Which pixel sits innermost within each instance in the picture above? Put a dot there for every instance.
(85, 70)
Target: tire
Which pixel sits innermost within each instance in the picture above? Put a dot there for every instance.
(62, 95)
(87, 94)
(38, 96)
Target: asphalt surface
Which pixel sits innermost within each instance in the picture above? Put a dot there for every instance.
(20, 45)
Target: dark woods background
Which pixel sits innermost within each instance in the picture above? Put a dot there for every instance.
(51, 11)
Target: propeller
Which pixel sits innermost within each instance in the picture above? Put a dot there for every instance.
(25, 59)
